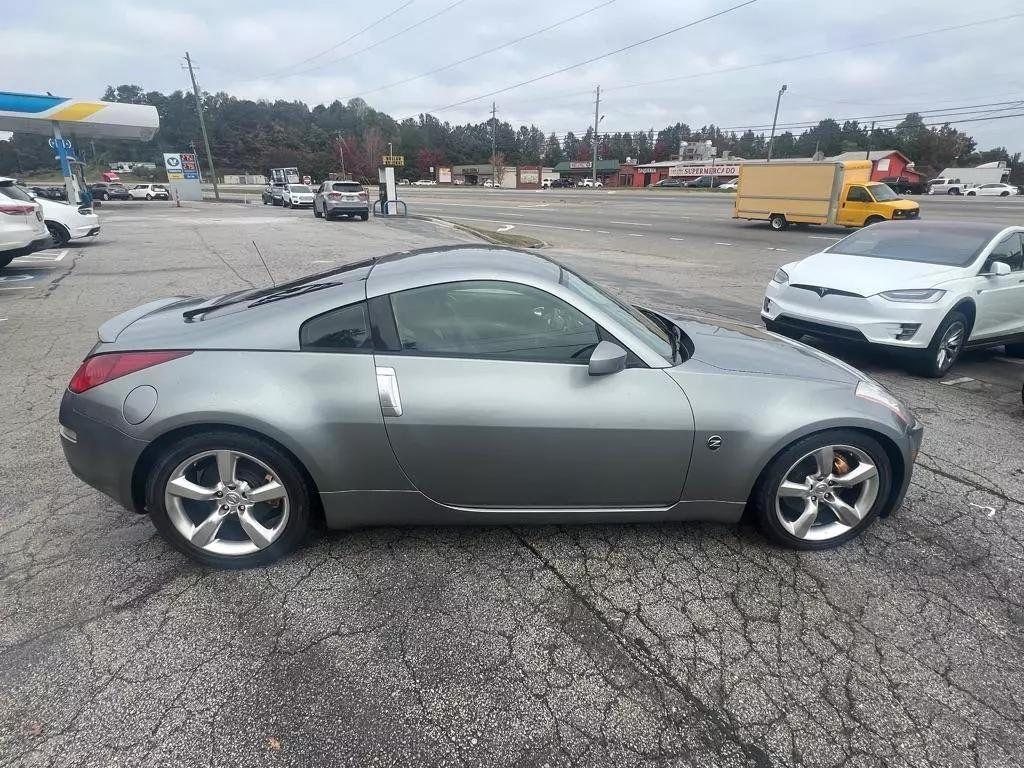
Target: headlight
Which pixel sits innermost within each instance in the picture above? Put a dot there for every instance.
(914, 295)
(781, 276)
(868, 390)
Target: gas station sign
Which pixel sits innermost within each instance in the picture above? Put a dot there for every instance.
(181, 166)
(396, 161)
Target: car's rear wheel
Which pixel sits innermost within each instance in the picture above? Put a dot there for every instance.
(149, 197)
(58, 234)
(823, 490)
(972, 194)
(364, 216)
(778, 222)
(229, 499)
(945, 347)
(1004, 193)
(953, 192)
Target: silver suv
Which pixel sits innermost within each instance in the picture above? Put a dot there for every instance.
(341, 198)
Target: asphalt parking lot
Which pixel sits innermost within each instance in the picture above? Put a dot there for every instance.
(635, 645)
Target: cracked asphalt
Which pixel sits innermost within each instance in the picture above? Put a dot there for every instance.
(635, 645)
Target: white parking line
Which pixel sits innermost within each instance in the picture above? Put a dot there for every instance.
(634, 234)
(823, 237)
(602, 232)
(770, 248)
(729, 244)
(632, 223)
(41, 256)
(953, 382)
(505, 227)
(677, 238)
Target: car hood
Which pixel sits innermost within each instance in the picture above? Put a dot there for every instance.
(749, 349)
(864, 275)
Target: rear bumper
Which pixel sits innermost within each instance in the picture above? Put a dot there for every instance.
(99, 455)
(347, 208)
(38, 244)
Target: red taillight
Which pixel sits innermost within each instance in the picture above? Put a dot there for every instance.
(334, 196)
(100, 369)
(16, 209)
(362, 195)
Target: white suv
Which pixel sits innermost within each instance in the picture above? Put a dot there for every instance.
(21, 223)
(297, 196)
(928, 288)
(149, 192)
(588, 182)
(68, 222)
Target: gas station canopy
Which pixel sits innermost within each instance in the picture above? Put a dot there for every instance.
(85, 118)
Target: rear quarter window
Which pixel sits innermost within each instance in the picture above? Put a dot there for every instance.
(345, 329)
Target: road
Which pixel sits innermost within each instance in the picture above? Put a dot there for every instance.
(600, 645)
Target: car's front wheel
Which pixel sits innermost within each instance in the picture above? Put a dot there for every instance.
(228, 499)
(823, 490)
(315, 211)
(945, 347)
(149, 197)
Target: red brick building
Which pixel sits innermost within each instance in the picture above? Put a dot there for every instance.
(885, 163)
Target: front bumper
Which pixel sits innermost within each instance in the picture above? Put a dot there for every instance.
(873, 320)
(98, 454)
(914, 436)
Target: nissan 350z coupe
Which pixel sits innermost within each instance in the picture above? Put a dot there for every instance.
(469, 385)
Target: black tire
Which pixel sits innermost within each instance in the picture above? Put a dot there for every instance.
(104, 196)
(265, 201)
(764, 496)
(972, 194)
(316, 213)
(149, 197)
(291, 475)
(778, 222)
(873, 220)
(364, 216)
(953, 192)
(927, 363)
(1014, 350)
(58, 234)
(1004, 193)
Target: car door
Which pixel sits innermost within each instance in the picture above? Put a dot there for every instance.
(496, 407)
(999, 299)
(854, 207)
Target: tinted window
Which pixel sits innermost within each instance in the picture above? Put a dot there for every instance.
(858, 195)
(299, 188)
(15, 193)
(347, 187)
(1009, 251)
(495, 320)
(345, 329)
(907, 241)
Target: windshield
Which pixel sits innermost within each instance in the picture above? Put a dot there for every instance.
(299, 188)
(906, 241)
(627, 316)
(882, 193)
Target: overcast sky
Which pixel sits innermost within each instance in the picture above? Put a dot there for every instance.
(267, 50)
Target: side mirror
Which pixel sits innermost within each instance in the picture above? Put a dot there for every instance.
(997, 268)
(607, 358)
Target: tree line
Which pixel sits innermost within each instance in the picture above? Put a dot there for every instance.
(251, 136)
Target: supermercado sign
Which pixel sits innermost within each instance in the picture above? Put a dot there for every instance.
(693, 171)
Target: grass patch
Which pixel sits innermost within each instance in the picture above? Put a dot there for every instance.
(501, 238)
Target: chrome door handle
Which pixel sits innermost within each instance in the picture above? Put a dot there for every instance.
(387, 390)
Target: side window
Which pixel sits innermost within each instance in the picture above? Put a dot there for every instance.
(858, 195)
(1010, 250)
(492, 319)
(345, 329)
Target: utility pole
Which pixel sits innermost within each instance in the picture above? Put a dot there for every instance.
(597, 119)
(871, 130)
(775, 120)
(494, 141)
(341, 153)
(202, 125)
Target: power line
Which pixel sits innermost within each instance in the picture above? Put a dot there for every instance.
(370, 47)
(482, 53)
(592, 59)
(334, 47)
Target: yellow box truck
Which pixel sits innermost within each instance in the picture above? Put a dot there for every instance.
(840, 193)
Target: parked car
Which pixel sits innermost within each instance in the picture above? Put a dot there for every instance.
(149, 192)
(50, 193)
(430, 375)
(589, 182)
(928, 289)
(992, 190)
(297, 196)
(22, 229)
(730, 186)
(403, 182)
(424, 183)
(562, 184)
(703, 182)
(68, 222)
(943, 186)
(109, 191)
(671, 181)
(902, 185)
(491, 184)
(341, 198)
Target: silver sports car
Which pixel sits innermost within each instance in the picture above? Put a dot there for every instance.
(469, 385)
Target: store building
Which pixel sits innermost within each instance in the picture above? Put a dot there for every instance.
(885, 164)
(577, 170)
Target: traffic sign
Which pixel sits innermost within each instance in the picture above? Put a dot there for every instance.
(393, 160)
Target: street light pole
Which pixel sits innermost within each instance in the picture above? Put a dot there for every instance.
(597, 109)
(775, 120)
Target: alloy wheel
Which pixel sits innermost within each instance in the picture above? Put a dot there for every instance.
(950, 345)
(827, 492)
(227, 502)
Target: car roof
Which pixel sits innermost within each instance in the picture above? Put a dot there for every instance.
(429, 266)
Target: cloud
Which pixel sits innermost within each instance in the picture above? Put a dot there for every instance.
(238, 43)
